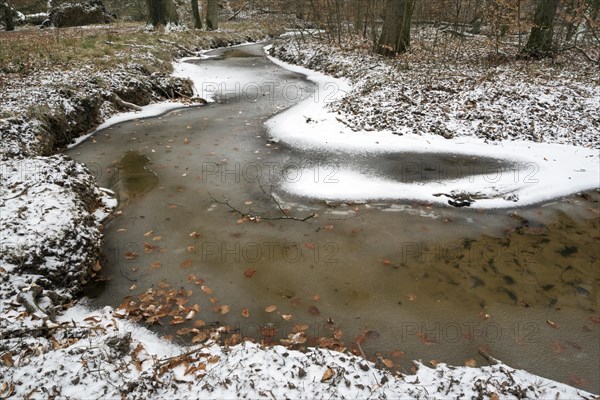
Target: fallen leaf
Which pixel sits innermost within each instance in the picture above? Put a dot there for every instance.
(397, 354)
(200, 337)
(155, 265)
(388, 363)
(157, 238)
(310, 245)
(195, 234)
(434, 363)
(557, 347)
(7, 359)
(287, 317)
(471, 363)
(224, 309)
(186, 263)
(149, 233)
(327, 375)
(206, 289)
(312, 310)
(249, 273)
(183, 331)
(270, 309)
(245, 312)
(131, 255)
(199, 323)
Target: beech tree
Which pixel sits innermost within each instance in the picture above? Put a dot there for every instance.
(212, 15)
(395, 35)
(539, 44)
(196, 15)
(162, 12)
(9, 24)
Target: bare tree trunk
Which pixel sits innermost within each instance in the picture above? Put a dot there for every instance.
(539, 44)
(196, 15)
(395, 36)
(9, 24)
(162, 12)
(212, 15)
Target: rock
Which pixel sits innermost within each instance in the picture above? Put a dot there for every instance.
(78, 14)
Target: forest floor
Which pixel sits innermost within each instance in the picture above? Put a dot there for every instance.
(459, 87)
(60, 84)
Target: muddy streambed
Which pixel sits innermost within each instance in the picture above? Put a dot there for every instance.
(406, 280)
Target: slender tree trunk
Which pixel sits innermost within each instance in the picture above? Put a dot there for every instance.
(212, 15)
(539, 44)
(196, 15)
(395, 36)
(161, 12)
(9, 24)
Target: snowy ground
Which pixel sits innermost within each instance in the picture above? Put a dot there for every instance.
(370, 106)
(50, 214)
(98, 354)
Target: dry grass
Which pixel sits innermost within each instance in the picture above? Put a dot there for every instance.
(103, 46)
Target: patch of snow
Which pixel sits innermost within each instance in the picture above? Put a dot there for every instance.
(542, 170)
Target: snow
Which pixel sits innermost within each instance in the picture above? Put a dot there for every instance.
(98, 354)
(209, 81)
(151, 110)
(540, 171)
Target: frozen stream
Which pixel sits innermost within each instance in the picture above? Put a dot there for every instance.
(417, 281)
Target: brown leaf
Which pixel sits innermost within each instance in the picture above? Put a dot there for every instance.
(557, 347)
(200, 337)
(471, 363)
(249, 273)
(224, 309)
(397, 354)
(312, 310)
(494, 396)
(155, 265)
(327, 375)
(183, 331)
(245, 312)
(434, 363)
(310, 245)
(271, 308)
(199, 323)
(287, 317)
(131, 255)
(7, 359)
(186, 263)
(388, 363)
(206, 289)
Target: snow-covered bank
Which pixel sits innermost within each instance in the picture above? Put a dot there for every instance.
(97, 354)
(539, 171)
